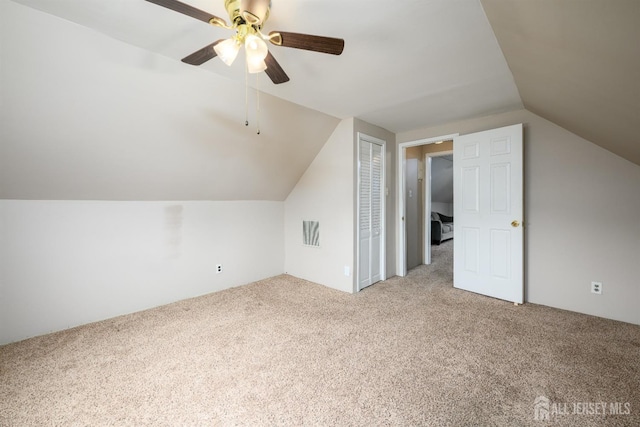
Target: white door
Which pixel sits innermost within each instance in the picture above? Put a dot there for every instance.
(370, 211)
(488, 214)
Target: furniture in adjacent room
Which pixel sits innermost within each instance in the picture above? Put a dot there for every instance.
(441, 227)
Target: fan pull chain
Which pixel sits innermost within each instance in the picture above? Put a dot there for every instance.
(258, 103)
(246, 95)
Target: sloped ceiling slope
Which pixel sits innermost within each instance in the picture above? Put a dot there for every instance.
(85, 116)
(577, 64)
(405, 65)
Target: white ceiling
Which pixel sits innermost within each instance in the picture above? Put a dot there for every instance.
(95, 103)
(405, 64)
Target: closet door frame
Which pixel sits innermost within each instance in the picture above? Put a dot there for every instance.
(361, 137)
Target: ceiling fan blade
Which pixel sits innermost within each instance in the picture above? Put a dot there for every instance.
(201, 56)
(274, 70)
(186, 10)
(307, 42)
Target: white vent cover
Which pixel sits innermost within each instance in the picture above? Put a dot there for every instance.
(311, 233)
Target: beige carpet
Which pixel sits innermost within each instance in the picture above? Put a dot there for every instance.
(284, 351)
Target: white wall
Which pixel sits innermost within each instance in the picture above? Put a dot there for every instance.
(581, 216)
(325, 193)
(442, 180)
(414, 206)
(66, 263)
(443, 208)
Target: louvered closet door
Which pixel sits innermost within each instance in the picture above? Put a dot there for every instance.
(370, 213)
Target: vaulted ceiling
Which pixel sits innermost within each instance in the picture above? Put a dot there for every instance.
(96, 103)
(404, 65)
(577, 64)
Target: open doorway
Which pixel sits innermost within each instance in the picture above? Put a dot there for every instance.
(415, 198)
(428, 202)
(438, 211)
(488, 248)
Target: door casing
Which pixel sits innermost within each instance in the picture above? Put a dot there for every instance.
(401, 237)
(370, 139)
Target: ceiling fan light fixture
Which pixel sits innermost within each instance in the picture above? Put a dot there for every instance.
(227, 50)
(256, 66)
(256, 48)
(257, 51)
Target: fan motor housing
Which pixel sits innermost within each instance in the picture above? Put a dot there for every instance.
(252, 12)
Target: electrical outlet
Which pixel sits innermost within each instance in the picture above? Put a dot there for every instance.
(347, 271)
(596, 288)
(218, 268)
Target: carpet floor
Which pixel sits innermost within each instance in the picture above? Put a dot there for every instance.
(284, 351)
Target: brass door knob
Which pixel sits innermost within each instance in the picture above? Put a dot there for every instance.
(515, 223)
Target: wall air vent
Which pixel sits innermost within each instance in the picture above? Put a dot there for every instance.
(311, 233)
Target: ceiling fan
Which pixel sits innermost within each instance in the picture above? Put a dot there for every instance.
(247, 18)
